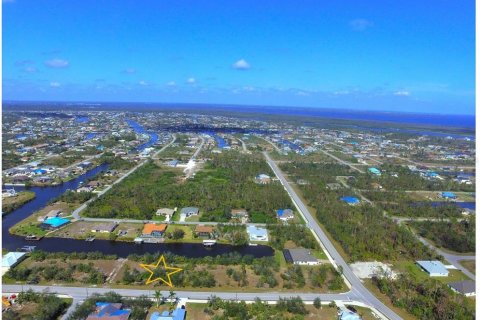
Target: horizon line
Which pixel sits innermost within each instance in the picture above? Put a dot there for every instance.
(238, 105)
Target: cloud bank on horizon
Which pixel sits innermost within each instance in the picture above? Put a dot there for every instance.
(399, 56)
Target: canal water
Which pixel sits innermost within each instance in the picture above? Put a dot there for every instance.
(464, 205)
(140, 130)
(121, 249)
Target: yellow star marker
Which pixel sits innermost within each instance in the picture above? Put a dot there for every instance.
(151, 268)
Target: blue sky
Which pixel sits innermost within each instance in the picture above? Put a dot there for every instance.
(369, 55)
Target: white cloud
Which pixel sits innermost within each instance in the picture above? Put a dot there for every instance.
(57, 63)
(171, 84)
(241, 65)
(143, 83)
(130, 70)
(360, 24)
(30, 69)
(302, 93)
(55, 84)
(191, 80)
(403, 93)
(341, 92)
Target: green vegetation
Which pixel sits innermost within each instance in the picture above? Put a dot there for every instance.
(401, 204)
(71, 196)
(318, 173)
(11, 203)
(425, 298)
(288, 308)
(26, 229)
(116, 163)
(139, 306)
(84, 273)
(225, 183)
(362, 230)
(407, 180)
(62, 161)
(299, 234)
(41, 306)
(454, 235)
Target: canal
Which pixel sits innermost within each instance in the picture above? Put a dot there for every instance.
(121, 249)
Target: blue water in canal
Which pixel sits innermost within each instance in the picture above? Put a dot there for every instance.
(82, 120)
(465, 205)
(90, 136)
(140, 130)
(121, 249)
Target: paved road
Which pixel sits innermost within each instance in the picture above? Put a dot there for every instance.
(358, 289)
(374, 160)
(433, 165)
(199, 148)
(190, 169)
(77, 163)
(344, 183)
(244, 146)
(76, 212)
(341, 161)
(81, 293)
(273, 144)
(451, 258)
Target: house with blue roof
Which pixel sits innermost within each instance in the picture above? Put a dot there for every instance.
(434, 268)
(177, 314)
(109, 311)
(257, 233)
(39, 171)
(54, 223)
(448, 195)
(285, 214)
(375, 171)
(350, 200)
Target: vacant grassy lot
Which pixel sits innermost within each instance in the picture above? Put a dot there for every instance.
(226, 182)
(11, 203)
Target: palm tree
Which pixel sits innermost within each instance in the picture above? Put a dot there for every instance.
(172, 296)
(158, 297)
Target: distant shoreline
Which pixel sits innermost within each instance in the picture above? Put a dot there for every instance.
(456, 124)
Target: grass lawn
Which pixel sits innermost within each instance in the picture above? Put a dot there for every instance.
(26, 229)
(469, 264)
(195, 312)
(412, 268)
(11, 203)
(188, 237)
(30, 224)
(158, 218)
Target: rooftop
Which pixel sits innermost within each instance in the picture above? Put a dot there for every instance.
(56, 221)
(11, 258)
(433, 267)
(465, 287)
(350, 200)
(298, 255)
(148, 228)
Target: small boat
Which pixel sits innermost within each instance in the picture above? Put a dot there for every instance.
(90, 239)
(209, 243)
(27, 248)
(138, 240)
(252, 244)
(33, 238)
